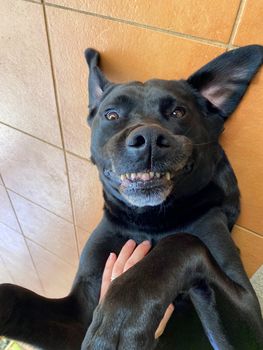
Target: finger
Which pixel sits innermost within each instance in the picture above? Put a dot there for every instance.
(124, 255)
(106, 277)
(140, 251)
(164, 321)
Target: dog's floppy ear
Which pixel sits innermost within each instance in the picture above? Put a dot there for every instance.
(224, 80)
(97, 81)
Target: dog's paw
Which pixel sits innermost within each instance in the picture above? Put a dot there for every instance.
(123, 322)
(117, 331)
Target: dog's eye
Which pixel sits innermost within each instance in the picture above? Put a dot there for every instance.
(111, 115)
(178, 112)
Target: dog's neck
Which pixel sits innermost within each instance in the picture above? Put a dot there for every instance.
(173, 213)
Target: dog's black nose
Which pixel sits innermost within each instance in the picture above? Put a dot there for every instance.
(144, 137)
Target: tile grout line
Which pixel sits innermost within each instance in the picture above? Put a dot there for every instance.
(50, 252)
(9, 227)
(249, 230)
(60, 126)
(39, 205)
(34, 1)
(143, 26)
(181, 35)
(38, 244)
(46, 142)
(236, 23)
(28, 134)
(77, 226)
(80, 157)
(23, 235)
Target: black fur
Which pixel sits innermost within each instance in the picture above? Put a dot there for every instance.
(158, 126)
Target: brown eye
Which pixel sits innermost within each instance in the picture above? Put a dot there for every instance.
(111, 115)
(178, 112)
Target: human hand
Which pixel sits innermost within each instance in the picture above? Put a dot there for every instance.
(130, 254)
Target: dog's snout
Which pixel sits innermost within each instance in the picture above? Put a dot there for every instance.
(147, 136)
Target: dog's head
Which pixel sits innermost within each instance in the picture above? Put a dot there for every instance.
(159, 139)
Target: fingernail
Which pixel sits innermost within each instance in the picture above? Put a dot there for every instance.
(130, 241)
(171, 307)
(146, 243)
(111, 256)
(158, 333)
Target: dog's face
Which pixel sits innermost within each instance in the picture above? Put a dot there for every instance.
(149, 140)
(159, 139)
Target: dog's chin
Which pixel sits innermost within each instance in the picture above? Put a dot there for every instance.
(146, 191)
(144, 198)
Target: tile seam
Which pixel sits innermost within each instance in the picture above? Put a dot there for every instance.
(23, 235)
(38, 205)
(181, 35)
(31, 135)
(46, 142)
(37, 243)
(84, 229)
(10, 227)
(50, 252)
(236, 23)
(60, 124)
(80, 157)
(34, 2)
(249, 230)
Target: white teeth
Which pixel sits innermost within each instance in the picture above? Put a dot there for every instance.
(146, 176)
(168, 176)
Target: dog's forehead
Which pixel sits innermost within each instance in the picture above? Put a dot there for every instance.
(154, 89)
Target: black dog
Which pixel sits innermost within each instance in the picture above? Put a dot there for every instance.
(165, 179)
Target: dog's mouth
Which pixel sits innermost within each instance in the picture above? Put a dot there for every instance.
(148, 188)
(145, 188)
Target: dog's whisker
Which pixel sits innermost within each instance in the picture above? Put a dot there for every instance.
(204, 143)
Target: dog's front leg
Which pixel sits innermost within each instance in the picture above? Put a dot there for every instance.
(227, 307)
(229, 312)
(51, 324)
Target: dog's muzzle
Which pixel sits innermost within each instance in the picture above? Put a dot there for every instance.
(153, 157)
